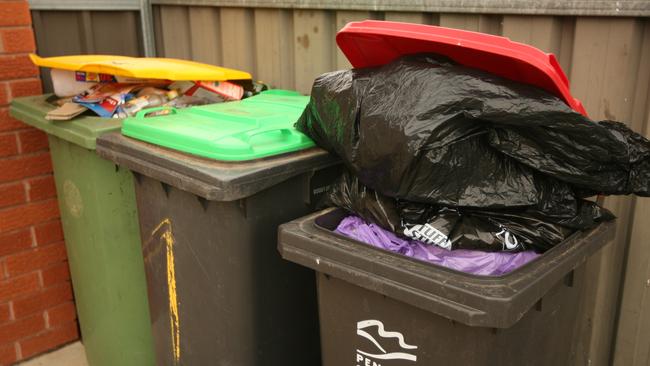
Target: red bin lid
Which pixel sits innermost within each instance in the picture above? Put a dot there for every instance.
(375, 43)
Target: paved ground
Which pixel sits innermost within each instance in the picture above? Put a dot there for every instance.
(70, 355)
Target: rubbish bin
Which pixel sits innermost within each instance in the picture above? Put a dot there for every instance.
(97, 205)
(380, 308)
(219, 293)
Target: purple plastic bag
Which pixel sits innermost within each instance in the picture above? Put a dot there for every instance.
(468, 261)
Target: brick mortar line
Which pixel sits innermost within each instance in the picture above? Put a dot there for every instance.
(19, 350)
(18, 54)
(4, 209)
(31, 249)
(22, 79)
(46, 317)
(17, 157)
(8, 277)
(23, 228)
(29, 201)
(41, 283)
(12, 97)
(21, 129)
(4, 133)
(48, 330)
(8, 105)
(32, 234)
(47, 288)
(27, 187)
(29, 78)
(34, 249)
(12, 312)
(7, 82)
(33, 153)
(19, 144)
(3, 27)
(40, 292)
(5, 53)
(27, 178)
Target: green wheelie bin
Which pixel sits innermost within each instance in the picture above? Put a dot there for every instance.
(98, 212)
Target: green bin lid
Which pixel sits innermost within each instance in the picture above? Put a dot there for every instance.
(82, 130)
(252, 128)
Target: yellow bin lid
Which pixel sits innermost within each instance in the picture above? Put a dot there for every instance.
(141, 67)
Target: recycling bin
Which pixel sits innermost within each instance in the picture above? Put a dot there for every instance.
(97, 205)
(380, 308)
(212, 185)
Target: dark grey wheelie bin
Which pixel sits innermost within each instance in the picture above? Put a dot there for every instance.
(379, 308)
(219, 292)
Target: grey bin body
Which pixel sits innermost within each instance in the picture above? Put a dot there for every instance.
(209, 230)
(369, 298)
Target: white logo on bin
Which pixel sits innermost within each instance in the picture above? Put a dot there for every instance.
(72, 199)
(370, 358)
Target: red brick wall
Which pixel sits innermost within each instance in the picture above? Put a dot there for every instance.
(37, 311)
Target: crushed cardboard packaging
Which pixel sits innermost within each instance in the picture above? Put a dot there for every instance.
(65, 112)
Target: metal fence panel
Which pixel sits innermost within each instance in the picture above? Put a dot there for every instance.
(66, 32)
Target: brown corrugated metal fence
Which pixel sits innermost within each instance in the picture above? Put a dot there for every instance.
(85, 32)
(607, 60)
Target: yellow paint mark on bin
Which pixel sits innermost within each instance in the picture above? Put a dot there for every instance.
(168, 237)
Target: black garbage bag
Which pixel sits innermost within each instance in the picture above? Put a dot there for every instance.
(426, 130)
(513, 229)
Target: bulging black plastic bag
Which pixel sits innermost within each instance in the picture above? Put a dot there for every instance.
(514, 229)
(425, 130)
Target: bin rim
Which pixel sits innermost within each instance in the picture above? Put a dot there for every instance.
(485, 301)
(213, 180)
(334, 211)
(82, 130)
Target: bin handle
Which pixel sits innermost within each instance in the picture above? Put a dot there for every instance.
(247, 135)
(285, 132)
(143, 113)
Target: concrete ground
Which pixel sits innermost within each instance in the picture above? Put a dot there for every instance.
(70, 355)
